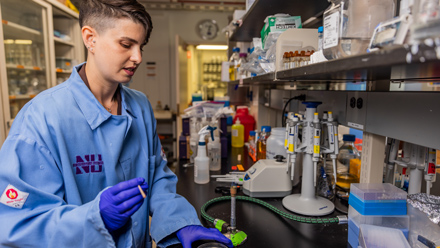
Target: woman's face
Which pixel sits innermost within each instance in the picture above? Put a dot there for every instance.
(118, 51)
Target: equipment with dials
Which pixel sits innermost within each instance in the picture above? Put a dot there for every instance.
(268, 178)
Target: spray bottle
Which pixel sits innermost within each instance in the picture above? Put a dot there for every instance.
(201, 162)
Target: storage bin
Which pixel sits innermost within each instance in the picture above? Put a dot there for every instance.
(383, 237)
(377, 199)
(355, 220)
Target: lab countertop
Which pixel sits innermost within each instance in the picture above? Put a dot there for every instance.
(263, 227)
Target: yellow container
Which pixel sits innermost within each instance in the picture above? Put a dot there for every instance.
(237, 134)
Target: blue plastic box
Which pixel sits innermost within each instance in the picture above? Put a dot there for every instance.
(384, 237)
(377, 199)
(355, 220)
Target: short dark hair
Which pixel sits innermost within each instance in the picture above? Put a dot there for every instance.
(96, 13)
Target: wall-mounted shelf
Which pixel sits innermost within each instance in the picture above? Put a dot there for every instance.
(21, 97)
(17, 29)
(396, 64)
(63, 8)
(63, 42)
(24, 67)
(253, 20)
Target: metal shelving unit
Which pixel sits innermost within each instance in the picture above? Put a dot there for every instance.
(253, 21)
(396, 64)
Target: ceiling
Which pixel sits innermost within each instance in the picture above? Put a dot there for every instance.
(204, 5)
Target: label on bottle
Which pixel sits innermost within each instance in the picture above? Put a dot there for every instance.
(196, 169)
(331, 30)
(235, 132)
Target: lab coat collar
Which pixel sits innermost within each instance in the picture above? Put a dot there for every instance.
(92, 110)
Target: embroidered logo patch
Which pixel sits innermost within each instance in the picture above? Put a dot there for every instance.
(88, 164)
(13, 197)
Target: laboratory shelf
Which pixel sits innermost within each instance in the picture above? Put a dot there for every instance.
(253, 20)
(24, 67)
(265, 78)
(63, 42)
(63, 8)
(21, 97)
(58, 70)
(18, 30)
(395, 64)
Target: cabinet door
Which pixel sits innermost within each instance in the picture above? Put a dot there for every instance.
(25, 68)
(69, 48)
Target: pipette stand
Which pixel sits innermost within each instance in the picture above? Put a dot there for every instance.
(307, 203)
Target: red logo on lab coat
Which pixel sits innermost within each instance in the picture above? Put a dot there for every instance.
(11, 194)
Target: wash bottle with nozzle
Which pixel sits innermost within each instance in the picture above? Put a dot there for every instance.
(201, 162)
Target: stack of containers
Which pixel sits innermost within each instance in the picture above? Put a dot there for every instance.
(377, 204)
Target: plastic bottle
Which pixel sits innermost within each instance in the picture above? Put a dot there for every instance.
(275, 143)
(349, 25)
(320, 35)
(347, 154)
(194, 138)
(252, 149)
(233, 61)
(262, 142)
(246, 119)
(237, 134)
(201, 162)
(324, 184)
(239, 72)
(214, 154)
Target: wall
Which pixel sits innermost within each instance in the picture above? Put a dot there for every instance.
(161, 50)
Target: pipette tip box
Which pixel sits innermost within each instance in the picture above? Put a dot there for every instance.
(355, 220)
(377, 199)
(384, 237)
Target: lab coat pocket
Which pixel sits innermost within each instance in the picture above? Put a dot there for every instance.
(126, 167)
(151, 169)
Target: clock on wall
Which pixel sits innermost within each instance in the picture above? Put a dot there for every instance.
(207, 29)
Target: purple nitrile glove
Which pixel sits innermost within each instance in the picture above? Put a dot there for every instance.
(119, 202)
(189, 234)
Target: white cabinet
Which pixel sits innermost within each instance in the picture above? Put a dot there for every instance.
(29, 52)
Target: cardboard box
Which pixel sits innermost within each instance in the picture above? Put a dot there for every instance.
(279, 24)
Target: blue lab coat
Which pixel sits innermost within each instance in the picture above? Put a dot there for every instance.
(63, 150)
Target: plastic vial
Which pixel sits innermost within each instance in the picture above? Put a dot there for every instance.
(286, 60)
(320, 35)
(262, 142)
(297, 59)
(347, 154)
(237, 134)
(292, 60)
(233, 62)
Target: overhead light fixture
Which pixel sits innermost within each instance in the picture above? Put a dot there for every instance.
(211, 47)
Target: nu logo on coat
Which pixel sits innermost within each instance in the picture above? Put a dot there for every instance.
(88, 164)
